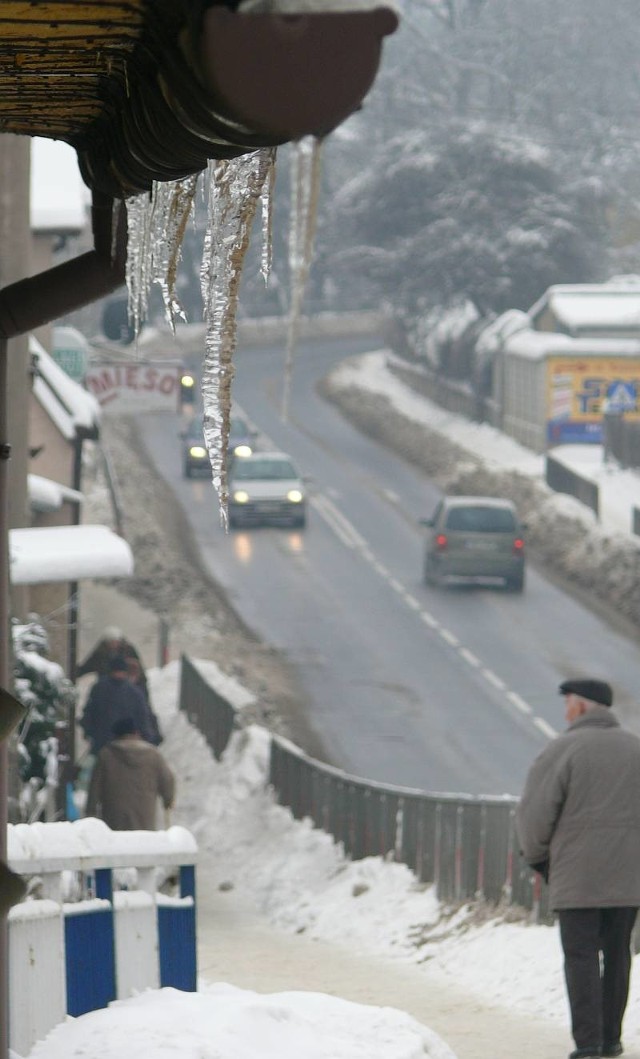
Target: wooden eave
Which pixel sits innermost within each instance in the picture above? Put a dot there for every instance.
(152, 90)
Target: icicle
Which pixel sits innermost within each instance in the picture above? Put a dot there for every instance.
(305, 187)
(138, 258)
(157, 224)
(235, 188)
(173, 206)
(267, 222)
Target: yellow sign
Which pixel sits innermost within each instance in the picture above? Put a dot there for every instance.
(581, 389)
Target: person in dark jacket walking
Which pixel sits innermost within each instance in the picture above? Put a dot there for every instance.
(129, 778)
(111, 698)
(113, 643)
(579, 820)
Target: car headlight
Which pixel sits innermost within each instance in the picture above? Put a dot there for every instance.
(242, 451)
(198, 452)
(240, 496)
(295, 496)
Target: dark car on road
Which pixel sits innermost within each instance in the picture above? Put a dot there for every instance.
(476, 539)
(195, 458)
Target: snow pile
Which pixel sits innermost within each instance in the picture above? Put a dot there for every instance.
(233, 1023)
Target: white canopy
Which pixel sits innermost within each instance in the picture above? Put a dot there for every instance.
(67, 553)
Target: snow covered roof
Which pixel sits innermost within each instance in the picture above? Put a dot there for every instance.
(536, 345)
(38, 555)
(592, 307)
(47, 495)
(72, 408)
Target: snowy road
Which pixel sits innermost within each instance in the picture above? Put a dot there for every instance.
(437, 690)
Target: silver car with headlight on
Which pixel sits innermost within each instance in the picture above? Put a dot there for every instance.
(266, 488)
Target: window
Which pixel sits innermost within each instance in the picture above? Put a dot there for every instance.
(481, 519)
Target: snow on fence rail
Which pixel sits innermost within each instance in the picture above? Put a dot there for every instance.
(465, 845)
(94, 926)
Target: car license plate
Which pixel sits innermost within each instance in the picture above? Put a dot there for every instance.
(481, 546)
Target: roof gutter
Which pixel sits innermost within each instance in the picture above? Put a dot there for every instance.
(37, 300)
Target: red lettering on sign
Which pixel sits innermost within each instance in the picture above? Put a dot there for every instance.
(168, 384)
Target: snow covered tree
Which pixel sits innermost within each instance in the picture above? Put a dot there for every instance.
(42, 687)
(466, 214)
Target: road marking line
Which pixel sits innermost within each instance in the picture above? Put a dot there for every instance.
(519, 702)
(341, 520)
(494, 679)
(349, 536)
(327, 515)
(393, 497)
(545, 728)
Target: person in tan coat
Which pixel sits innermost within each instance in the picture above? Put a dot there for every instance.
(578, 823)
(130, 776)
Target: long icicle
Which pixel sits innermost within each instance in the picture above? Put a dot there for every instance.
(235, 188)
(305, 193)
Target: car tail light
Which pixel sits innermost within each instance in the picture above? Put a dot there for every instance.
(518, 546)
(441, 542)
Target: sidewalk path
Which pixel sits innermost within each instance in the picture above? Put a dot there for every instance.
(237, 945)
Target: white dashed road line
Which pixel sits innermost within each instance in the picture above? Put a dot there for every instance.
(350, 537)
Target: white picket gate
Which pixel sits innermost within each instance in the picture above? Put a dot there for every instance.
(96, 928)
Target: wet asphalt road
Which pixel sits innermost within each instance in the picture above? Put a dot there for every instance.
(442, 690)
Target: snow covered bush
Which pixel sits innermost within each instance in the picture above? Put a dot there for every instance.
(41, 685)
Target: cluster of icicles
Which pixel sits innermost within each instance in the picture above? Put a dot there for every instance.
(234, 189)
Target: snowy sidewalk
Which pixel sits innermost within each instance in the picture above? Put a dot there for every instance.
(236, 945)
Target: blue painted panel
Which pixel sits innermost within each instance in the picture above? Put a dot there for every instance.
(90, 960)
(177, 947)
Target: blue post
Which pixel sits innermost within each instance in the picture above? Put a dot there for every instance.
(89, 952)
(177, 937)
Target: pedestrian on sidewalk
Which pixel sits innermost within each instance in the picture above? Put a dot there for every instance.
(111, 698)
(113, 643)
(578, 822)
(129, 778)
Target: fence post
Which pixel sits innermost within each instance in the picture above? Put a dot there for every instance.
(482, 846)
(437, 847)
(163, 643)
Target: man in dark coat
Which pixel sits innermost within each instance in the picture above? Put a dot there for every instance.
(129, 778)
(111, 698)
(113, 643)
(580, 816)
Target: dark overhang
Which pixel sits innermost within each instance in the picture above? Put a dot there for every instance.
(152, 89)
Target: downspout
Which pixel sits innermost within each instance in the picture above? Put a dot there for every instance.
(25, 305)
(35, 301)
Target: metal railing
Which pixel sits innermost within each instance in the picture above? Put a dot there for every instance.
(465, 845)
(565, 480)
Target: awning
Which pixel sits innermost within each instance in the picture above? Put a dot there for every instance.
(67, 553)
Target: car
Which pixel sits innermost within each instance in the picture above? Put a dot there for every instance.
(266, 488)
(242, 442)
(475, 539)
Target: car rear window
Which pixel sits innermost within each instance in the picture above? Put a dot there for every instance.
(264, 469)
(481, 519)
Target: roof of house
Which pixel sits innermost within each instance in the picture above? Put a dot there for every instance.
(537, 345)
(592, 307)
(74, 411)
(43, 554)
